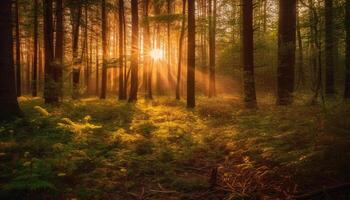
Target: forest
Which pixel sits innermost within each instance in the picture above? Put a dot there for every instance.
(175, 99)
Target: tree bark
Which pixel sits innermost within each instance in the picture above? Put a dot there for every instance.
(121, 91)
(8, 97)
(104, 51)
(347, 57)
(182, 35)
(248, 54)
(18, 52)
(329, 48)
(59, 45)
(212, 46)
(35, 56)
(286, 51)
(76, 16)
(191, 55)
(50, 87)
(134, 51)
(147, 75)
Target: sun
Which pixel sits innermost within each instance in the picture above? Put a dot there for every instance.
(157, 54)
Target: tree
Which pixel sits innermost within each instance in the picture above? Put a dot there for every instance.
(182, 35)
(134, 50)
(329, 48)
(59, 46)
(286, 51)
(248, 54)
(75, 9)
(212, 33)
(50, 87)
(18, 52)
(147, 72)
(191, 54)
(35, 56)
(347, 56)
(104, 51)
(121, 19)
(8, 97)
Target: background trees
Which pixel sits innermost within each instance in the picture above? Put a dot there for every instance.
(8, 96)
(87, 44)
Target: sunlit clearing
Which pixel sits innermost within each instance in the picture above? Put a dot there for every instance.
(157, 54)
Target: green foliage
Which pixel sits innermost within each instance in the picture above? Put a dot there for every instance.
(111, 147)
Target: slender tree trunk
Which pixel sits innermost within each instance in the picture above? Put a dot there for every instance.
(212, 46)
(182, 35)
(18, 52)
(76, 16)
(86, 50)
(104, 51)
(147, 75)
(35, 49)
(50, 89)
(134, 51)
(121, 50)
(8, 97)
(248, 54)
(329, 48)
(97, 68)
(347, 57)
(59, 46)
(301, 75)
(286, 51)
(191, 55)
(170, 81)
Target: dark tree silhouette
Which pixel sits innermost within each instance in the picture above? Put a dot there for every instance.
(212, 45)
(347, 56)
(59, 46)
(18, 52)
(35, 49)
(147, 72)
(104, 50)
(8, 97)
(182, 35)
(50, 90)
(286, 51)
(134, 51)
(248, 54)
(191, 54)
(329, 48)
(121, 19)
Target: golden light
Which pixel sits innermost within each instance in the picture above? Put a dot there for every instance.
(157, 54)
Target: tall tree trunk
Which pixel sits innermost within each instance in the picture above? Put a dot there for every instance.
(59, 46)
(104, 51)
(121, 92)
(35, 49)
(86, 50)
(18, 52)
(212, 46)
(76, 16)
(134, 51)
(191, 55)
(329, 48)
(170, 81)
(301, 75)
(286, 51)
(50, 89)
(147, 75)
(182, 35)
(347, 57)
(248, 54)
(97, 68)
(8, 97)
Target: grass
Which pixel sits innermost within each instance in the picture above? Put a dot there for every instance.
(93, 149)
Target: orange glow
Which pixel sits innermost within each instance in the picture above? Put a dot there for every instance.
(157, 54)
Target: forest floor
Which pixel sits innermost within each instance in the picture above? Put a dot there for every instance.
(93, 149)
